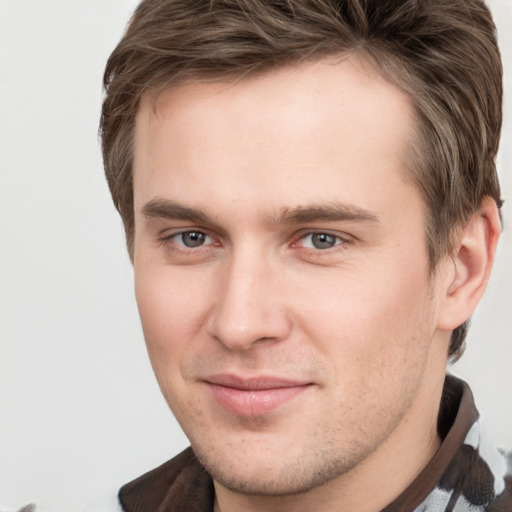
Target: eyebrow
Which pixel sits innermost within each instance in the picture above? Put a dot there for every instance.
(330, 212)
(165, 209)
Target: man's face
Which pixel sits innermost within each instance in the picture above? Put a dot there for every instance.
(282, 274)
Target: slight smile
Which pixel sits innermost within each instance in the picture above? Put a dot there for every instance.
(254, 396)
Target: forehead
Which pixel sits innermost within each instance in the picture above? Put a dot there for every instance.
(320, 131)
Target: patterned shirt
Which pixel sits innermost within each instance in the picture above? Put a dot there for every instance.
(465, 474)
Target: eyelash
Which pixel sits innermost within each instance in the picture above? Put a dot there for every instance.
(169, 240)
(340, 242)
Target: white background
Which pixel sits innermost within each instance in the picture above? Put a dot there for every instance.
(81, 413)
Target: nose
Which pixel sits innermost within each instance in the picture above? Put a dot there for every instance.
(250, 306)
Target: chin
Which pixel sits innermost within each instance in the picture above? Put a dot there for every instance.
(274, 475)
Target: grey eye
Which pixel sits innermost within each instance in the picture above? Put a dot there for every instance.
(323, 240)
(192, 238)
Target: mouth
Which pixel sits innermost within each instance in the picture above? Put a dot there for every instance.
(254, 396)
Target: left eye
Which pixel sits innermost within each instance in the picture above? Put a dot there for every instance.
(192, 239)
(320, 241)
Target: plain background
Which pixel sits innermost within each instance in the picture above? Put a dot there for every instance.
(81, 413)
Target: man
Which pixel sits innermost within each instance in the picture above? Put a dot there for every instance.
(311, 206)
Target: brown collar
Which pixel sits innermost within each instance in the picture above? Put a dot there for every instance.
(457, 414)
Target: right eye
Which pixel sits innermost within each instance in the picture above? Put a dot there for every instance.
(191, 239)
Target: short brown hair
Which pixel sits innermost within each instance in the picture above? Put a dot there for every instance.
(442, 53)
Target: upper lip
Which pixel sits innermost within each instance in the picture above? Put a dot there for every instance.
(253, 383)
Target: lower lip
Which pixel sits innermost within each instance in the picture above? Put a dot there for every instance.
(253, 402)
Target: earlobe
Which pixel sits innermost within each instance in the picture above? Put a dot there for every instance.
(470, 266)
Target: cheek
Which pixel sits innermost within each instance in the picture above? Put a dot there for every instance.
(375, 337)
(172, 309)
(172, 312)
(378, 319)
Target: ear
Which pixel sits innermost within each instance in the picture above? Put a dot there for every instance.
(469, 266)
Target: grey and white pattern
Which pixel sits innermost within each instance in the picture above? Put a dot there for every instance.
(478, 479)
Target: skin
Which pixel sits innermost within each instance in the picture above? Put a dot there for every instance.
(255, 168)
